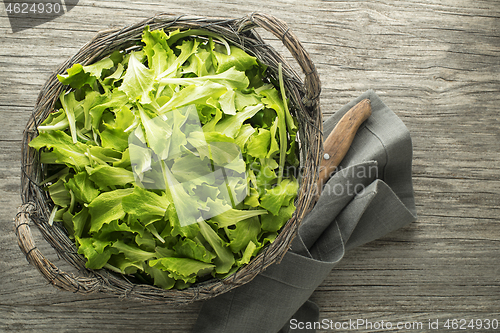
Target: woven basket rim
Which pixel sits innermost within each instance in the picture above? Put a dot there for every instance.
(304, 98)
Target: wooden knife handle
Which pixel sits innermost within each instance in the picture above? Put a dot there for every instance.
(340, 139)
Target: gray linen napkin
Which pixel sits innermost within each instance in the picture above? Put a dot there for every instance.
(370, 196)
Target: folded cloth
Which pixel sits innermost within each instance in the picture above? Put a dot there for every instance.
(370, 195)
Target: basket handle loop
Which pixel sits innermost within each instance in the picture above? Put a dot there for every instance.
(54, 275)
(281, 30)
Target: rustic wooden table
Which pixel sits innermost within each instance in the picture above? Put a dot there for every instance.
(435, 63)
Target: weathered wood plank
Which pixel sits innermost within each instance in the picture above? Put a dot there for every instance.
(435, 63)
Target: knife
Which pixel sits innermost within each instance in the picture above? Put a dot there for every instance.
(339, 141)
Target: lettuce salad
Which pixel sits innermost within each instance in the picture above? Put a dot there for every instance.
(174, 162)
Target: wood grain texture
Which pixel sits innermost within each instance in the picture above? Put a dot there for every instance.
(435, 63)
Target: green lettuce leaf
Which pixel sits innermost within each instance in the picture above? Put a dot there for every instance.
(258, 146)
(138, 81)
(252, 199)
(187, 48)
(158, 132)
(231, 79)
(156, 47)
(115, 76)
(182, 268)
(244, 99)
(95, 259)
(243, 233)
(73, 110)
(97, 68)
(92, 99)
(107, 207)
(146, 242)
(80, 222)
(105, 176)
(194, 94)
(82, 187)
(76, 77)
(113, 137)
(192, 249)
(56, 120)
(112, 100)
(160, 278)
(124, 161)
(131, 252)
(243, 135)
(142, 203)
(280, 195)
(59, 193)
(231, 125)
(190, 167)
(66, 151)
(187, 207)
(237, 58)
(233, 216)
(119, 264)
(277, 221)
(200, 63)
(225, 258)
(250, 251)
(119, 228)
(227, 102)
(273, 101)
(102, 155)
(188, 231)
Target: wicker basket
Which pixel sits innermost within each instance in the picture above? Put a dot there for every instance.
(304, 102)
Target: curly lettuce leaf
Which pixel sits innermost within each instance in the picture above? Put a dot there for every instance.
(277, 221)
(187, 207)
(182, 268)
(115, 99)
(142, 203)
(280, 195)
(193, 249)
(160, 278)
(65, 150)
(187, 48)
(138, 81)
(116, 134)
(107, 207)
(109, 176)
(76, 77)
(98, 67)
(250, 251)
(82, 187)
(132, 252)
(258, 146)
(237, 58)
(73, 110)
(96, 253)
(200, 63)
(243, 233)
(119, 264)
(102, 155)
